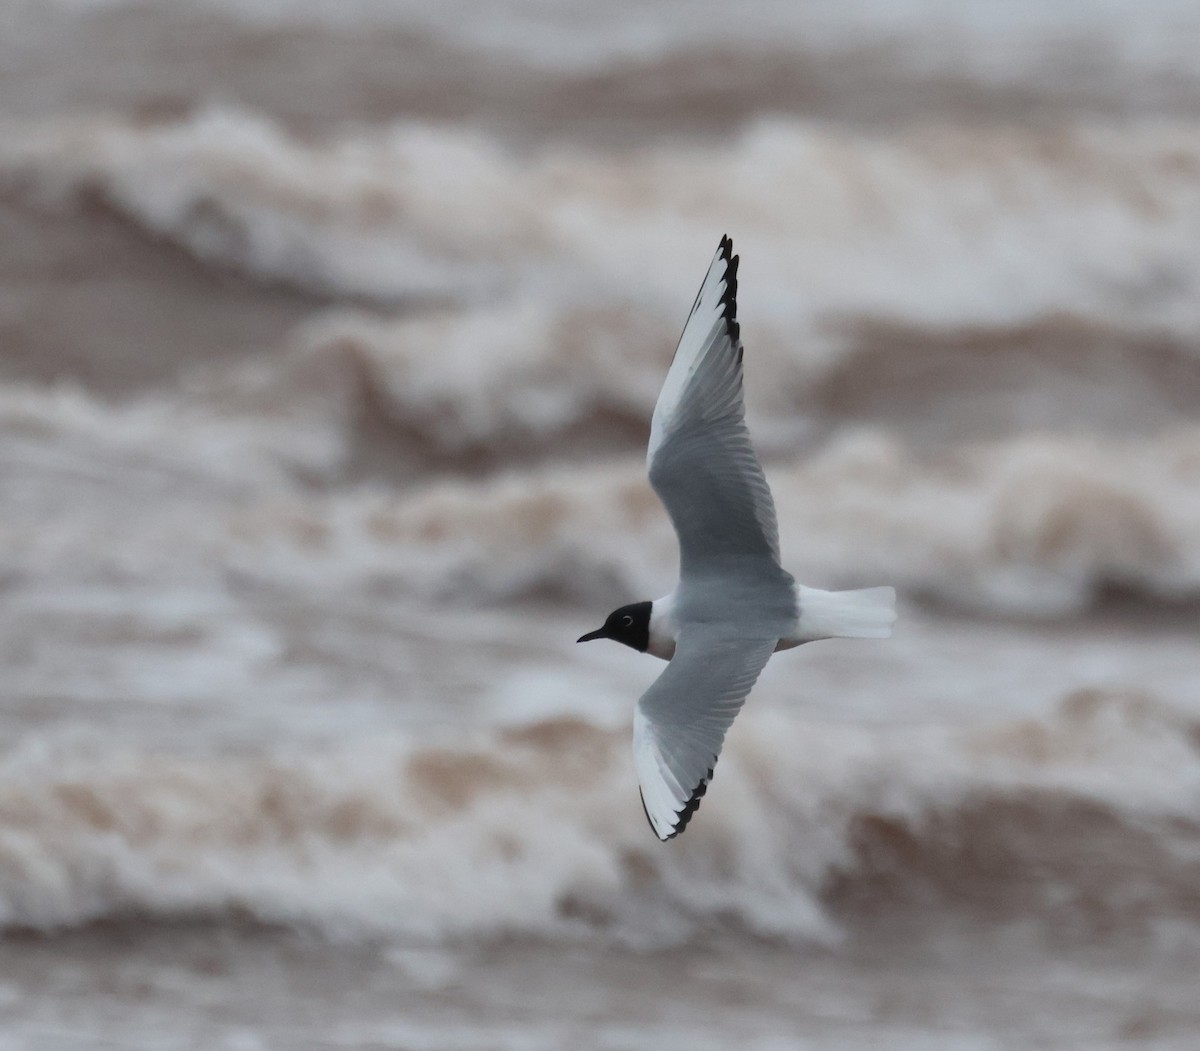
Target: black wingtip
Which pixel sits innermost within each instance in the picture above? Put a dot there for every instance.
(729, 298)
(685, 815)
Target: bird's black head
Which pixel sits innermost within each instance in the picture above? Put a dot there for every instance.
(629, 625)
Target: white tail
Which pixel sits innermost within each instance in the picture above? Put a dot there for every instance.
(867, 613)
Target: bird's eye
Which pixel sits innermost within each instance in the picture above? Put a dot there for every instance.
(627, 621)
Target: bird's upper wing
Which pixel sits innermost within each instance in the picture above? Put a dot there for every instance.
(700, 459)
(680, 721)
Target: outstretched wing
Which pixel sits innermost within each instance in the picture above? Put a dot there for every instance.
(700, 459)
(680, 722)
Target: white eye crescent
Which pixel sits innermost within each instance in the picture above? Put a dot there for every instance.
(626, 621)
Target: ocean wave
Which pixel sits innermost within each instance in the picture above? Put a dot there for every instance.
(536, 830)
(1079, 830)
(1034, 525)
(970, 40)
(1055, 374)
(488, 387)
(493, 387)
(942, 227)
(402, 215)
(566, 382)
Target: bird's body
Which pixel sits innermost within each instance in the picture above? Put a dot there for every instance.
(866, 613)
(734, 604)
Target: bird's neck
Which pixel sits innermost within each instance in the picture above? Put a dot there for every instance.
(663, 628)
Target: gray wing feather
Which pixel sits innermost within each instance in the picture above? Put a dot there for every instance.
(681, 720)
(701, 461)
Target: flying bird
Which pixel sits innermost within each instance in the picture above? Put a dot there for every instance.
(734, 604)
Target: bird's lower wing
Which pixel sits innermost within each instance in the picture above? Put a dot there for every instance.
(680, 722)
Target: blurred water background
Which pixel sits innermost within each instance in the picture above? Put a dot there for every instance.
(329, 336)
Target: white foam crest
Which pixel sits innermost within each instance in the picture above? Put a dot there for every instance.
(536, 830)
(935, 227)
(489, 379)
(144, 487)
(169, 488)
(559, 533)
(243, 441)
(1032, 525)
(971, 40)
(1035, 526)
(371, 841)
(475, 388)
(410, 212)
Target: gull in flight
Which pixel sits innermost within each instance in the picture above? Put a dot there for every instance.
(734, 604)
